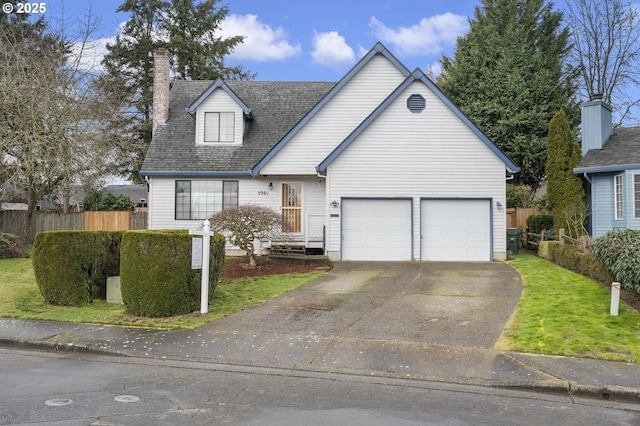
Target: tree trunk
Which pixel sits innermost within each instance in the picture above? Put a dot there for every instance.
(32, 203)
(66, 196)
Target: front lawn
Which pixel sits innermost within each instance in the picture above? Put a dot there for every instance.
(563, 313)
(20, 298)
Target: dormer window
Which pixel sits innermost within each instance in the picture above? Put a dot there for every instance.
(219, 127)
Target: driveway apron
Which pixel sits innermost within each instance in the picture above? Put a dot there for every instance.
(370, 316)
(460, 304)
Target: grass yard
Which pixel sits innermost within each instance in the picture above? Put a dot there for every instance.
(20, 298)
(560, 312)
(563, 313)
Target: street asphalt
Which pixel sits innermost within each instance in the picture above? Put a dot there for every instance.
(430, 321)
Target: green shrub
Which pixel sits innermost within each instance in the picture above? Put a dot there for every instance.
(156, 276)
(12, 246)
(71, 267)
(570, 257)
(538, 222)
(520, 196)
(620, 252)
(106, 201)
(544, 249)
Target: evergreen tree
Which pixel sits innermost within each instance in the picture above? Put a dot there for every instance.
(564, 189)
(508, 76)
(188, 31)
(198, 53)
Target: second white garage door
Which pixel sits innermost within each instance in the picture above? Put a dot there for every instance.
(457, 230)
(374, 229)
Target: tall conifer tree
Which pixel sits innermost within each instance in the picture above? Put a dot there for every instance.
(508, 75)
(564, 189)
(188, 30)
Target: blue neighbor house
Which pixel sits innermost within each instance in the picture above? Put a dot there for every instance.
(610, 167)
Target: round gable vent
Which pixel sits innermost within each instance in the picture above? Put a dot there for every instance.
(416, 103)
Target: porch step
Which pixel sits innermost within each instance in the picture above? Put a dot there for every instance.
(287, 249)
(297, 259)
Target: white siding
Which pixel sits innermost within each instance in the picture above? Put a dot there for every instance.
(337, 119)
(219, 101)
(250, 191)
(427, 155)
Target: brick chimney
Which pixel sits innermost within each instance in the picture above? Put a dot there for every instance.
(596, 124)
(160, 87)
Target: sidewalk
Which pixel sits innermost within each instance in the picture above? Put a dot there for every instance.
(387, 320)
(616, 381)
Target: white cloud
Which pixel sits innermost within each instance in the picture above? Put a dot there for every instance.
(362, 51)
(331, 50)
(430, 36)
(261, 43)
(88, 56)
(434, 70)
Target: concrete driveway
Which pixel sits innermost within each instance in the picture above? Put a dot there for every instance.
(448, 303)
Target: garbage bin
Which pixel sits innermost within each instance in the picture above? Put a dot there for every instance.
(513, 240)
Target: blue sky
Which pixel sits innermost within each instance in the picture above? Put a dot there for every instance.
(317, 40)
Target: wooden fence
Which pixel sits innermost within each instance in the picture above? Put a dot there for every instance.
(533, 239)
(15, 222)
(517, 217)
(583, 243)
(107, 221)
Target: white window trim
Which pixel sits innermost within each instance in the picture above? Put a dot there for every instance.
(618, 182)
(219, 142)
(302, 206)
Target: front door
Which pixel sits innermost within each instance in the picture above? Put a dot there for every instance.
(292, 207)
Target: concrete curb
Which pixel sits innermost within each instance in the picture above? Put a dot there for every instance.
(548, 387)
(42, 345)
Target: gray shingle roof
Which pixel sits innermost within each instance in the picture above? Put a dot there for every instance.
(135, 192)
(277, 106)
(620, 152)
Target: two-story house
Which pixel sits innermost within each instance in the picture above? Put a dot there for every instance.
(380, 165)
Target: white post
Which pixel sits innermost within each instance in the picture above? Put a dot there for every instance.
(204, 301)
(615, 298)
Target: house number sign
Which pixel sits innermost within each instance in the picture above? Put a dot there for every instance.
(263, 192)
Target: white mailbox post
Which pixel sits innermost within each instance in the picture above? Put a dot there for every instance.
(204, 263)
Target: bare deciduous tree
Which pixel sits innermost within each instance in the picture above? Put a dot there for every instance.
(575, 217)
(606, 51)
(51, 136)
(247, 224)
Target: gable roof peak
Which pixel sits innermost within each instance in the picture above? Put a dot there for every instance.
(417, 75)
(219, 83)
(378, 47)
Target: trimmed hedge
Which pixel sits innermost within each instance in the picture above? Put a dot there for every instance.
(156, 278)
(544, 249)
(71, 267)
(620, 251)
(571, 258)
(538, 222)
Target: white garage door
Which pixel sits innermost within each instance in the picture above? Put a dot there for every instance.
(376, 229)
(455, 230)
